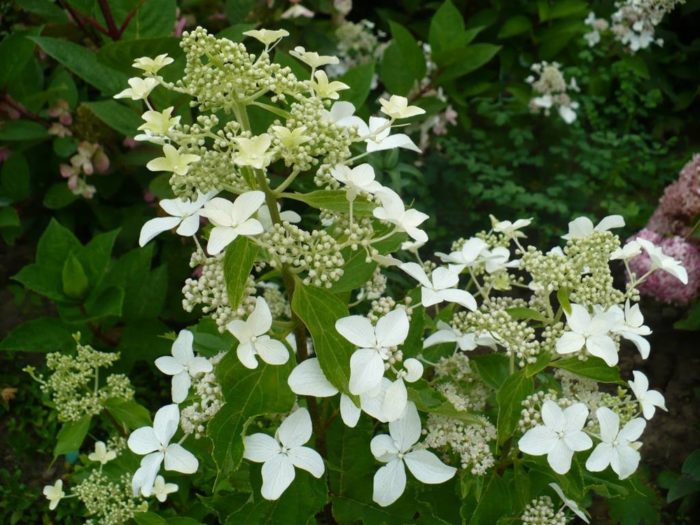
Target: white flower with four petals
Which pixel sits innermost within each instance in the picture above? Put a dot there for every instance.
(618, 448)
(184, 215)
(440, 287)
(231, 219)
(182, 365)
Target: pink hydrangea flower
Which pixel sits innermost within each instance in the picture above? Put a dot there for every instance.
(661, 285)
(680, 202)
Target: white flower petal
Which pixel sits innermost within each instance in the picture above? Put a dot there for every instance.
(307, 459)
(366, 371)
(395, 400)
(272, 351)
(143, 441)
(427, 468)
(599, 458)
(155, 227)
(392, 329)
(180, 386)
(169, 365)
(219, 238)
(559, 458)
(260, 447)
(537, 441)
(180, 460)
(406, 430)
(296, 429)
(570, 342)
(349, 412)
(307, 379)
(182, 347)
(358, 330)
(165, 423)
(277, 474)
(389, 483)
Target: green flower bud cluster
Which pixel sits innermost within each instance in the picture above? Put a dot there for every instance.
(540, 511)
(108, 501)
(73, 384)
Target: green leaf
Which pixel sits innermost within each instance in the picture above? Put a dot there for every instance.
(129, 413)
(12, 130)
(593, 368)
(562, 9)
(238, 262)
(359, 79)
(563, 298)
(495, 502)
(429, 400)
(149, 518)
(509, 398)
(304, 498)
(334, 200)
(639, 507)
(75, 282)
(468, 59)
(59, 196)
(84, 64)
(71, 436)
(235, 32)
(356, 271)
(319, 309)
(45, 334)
(691, 465)
(403, 62)
(446, 30)
(107, 303)
(153, 18)
(45, 9)
(526, 314)
(514, 26)
(117, 116)
(16, 50)
(8, 217)
(248, 393)
(238, 10)
(492, 368)
(120, 55)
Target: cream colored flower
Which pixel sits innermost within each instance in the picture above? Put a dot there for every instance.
(139, 90)
(326, 89)
(397, 107)
(174, 161)
(291, 139)
(267, 36)
(253, 152)
(101, 454)
(152, 65)
(311, 58)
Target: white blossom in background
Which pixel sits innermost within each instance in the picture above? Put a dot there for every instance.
(185, 215)
(591, 332)
(465, 342)
(498, 260)
(398, 451)
(154, 444)
(394, 212)
(397, 108)
(161, 489)
(152, 66)
(560, 435)
(231, 219)
(307, 379)
(552, 91)
(139, 88)
(661, 261)
(471, 254)
(626, 252)
(582, 227)
(378, 137)
(311, 58)
(440, 287)
(280, 454)
(569, 503)
(598, 26)
(618, 448)
(511, 230)
(157, 125)
(358, 180)
(101, 455)
(253, 339)
(173, 161)
(649, 400)
(54, 493)
(183, 365)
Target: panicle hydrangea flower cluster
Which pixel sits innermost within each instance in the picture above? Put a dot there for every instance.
(108, 502)
(541, 511)
(564, 309)
(73, 384)
(552, 91)
(632, 24)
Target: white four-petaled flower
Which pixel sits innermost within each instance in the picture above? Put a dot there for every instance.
(182, 365)
(618, 448)
(184, 215)
(378, 138)
(465, 342)
(510, 230)
(397, 450)
(139, 88)
(661, 261)
(582, 227)
(152, 65)
(560, 435)
(397, 107)
(630, 325)
(648, 399)
(254, 151)
(173, 161)
(357, 180)
(589, 332)
(253, 339)
(231, 219)
(161, 489)
(101, 454)
(154, 444)
(571, 504)
(54, 493)
(440, 287)
(280, 454)
(393, 211)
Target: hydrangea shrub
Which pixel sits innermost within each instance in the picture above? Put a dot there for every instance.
(479, 385)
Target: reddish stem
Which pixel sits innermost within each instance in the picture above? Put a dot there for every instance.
(114, 33)
(19, 108)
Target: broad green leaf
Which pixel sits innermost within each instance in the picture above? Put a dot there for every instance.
(526, 313)
(446, 30)
(129, 413)
(562, 9)
(514, 26)
(45, 334)
(71, 436)
(120, 55)
(319, 309)
(238, 10)
(153, 18)
(356, 271)
(593, 368)
(509, 397)
(300, 503)
(496, 500)
(235, 32)
(359, 79)
(429, 400)
(248, 393)
(403, 62)
(117, 116)
(84, 64)
(639, 507)
(540, 364)
(563, 298)
(492, 368)
(107, 302)
(8, 217)
(468, 59)
(238, 262)
(149, 518)
(333, 200)
(14, 130)
(59, 196)
(557, 37)
(75, 282)
(46, 9)
(16, 51)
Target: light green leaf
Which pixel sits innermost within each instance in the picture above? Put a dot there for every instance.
(492, 368)
(563, 298)
(514, 26)
(153, 18)
(129, 413)
(526, 314)
(446, 30)
(403, 62)
(593, 368)
(75, 282)
(59, 196)
(16, 51)
(333, 200)
(45, 334)
(8, 217)
(71, 436)
(468, 59)
(238, 262)
(359, 79)
(319, 309)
